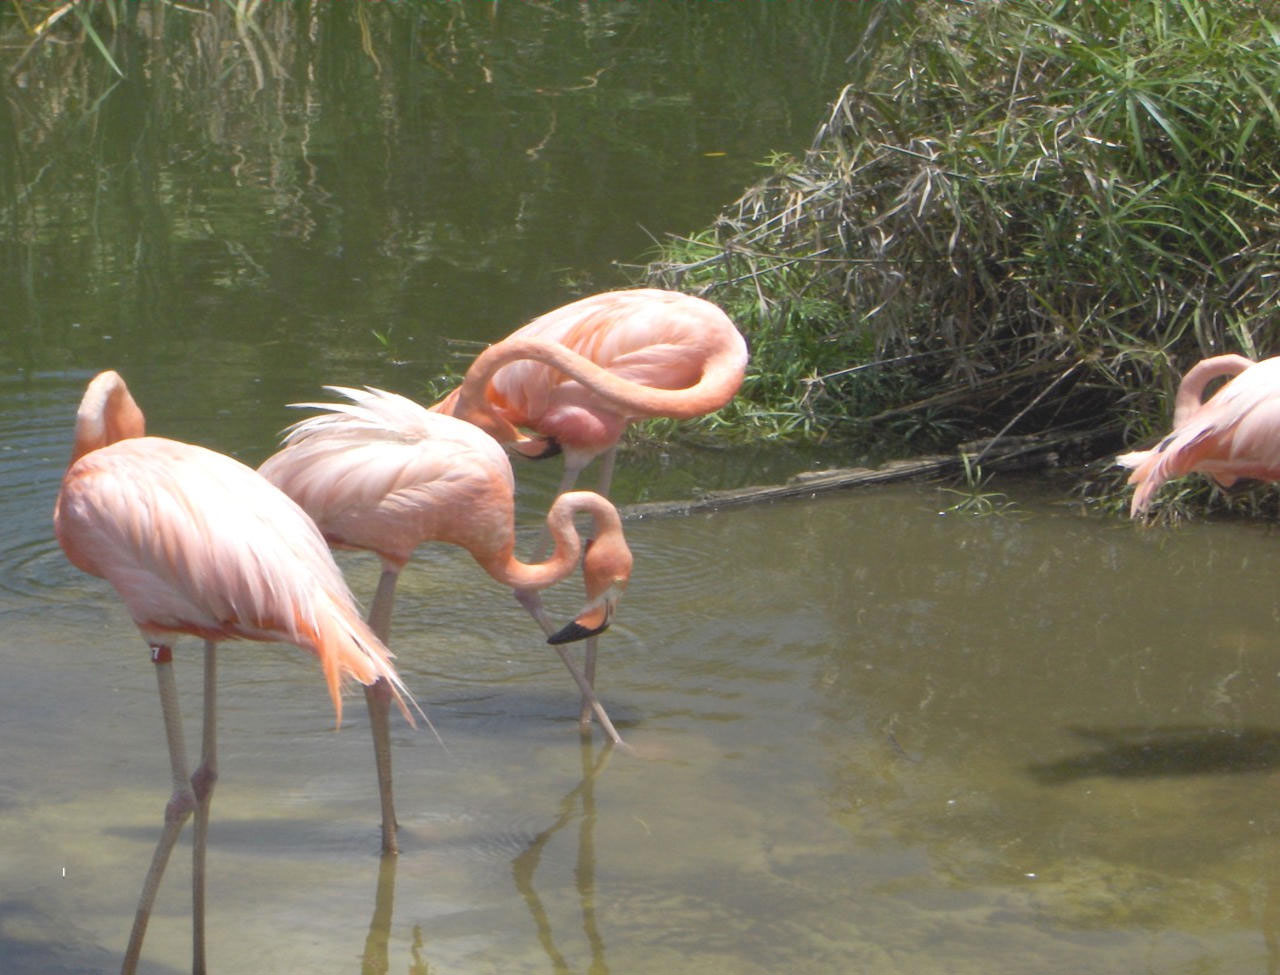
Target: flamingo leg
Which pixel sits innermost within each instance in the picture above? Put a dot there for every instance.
(606, 471)
(607, 461)
(179, 807)
(203, 780)
(589, 675)
(532, 602)
(567, 480)
(589, 695)
(383, 598)
(377, 697)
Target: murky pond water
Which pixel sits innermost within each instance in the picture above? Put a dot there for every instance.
(874, 735)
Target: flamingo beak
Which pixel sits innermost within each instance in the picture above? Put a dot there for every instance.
(536, 448)
(573, 632)
(593, 620)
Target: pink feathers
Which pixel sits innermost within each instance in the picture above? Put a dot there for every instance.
(1235, 434)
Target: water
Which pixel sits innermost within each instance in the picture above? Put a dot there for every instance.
(874, 734)
(873, 737)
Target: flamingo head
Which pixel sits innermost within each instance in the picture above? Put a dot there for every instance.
(471, 405)
(606, 570)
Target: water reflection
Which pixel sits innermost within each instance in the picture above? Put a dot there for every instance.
(262, 203)
(576, 806)
(525, 865)
(375, 959)
(984, 757)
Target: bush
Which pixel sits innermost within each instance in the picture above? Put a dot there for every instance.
(1018, 217)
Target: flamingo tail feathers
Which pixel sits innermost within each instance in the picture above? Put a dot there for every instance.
(348, 648)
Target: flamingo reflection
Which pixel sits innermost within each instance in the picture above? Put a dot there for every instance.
(526, 863)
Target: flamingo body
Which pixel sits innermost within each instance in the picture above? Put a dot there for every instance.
(195, 542)
(1234, 434)
(631, 354)
(578, 375)
(159, 520)
(384, 474)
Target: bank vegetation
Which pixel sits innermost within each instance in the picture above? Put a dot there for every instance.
(1022, 218)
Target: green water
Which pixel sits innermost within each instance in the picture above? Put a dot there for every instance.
(874, 735)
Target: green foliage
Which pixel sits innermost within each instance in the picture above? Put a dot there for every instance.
(1017, 217)
(973, 498)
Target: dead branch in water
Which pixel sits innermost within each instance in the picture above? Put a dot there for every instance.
(1006, 454)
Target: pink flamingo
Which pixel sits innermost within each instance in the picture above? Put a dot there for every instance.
(1234, 434)
(196, 543)
(383, 474)
(579, 374)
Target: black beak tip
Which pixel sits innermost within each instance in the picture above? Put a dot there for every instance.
(572, 632)
(537, 448)
(551, 448)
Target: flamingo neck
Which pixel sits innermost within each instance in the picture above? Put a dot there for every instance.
(1191, 390)
(510, 571)
(721, 377)
(535, 575)
(107, 414)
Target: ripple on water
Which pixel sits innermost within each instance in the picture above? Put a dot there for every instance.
(37, 421)
(672, 555)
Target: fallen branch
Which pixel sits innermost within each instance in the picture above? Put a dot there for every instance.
(1035, 452)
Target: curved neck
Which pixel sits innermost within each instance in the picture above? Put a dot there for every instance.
(107, 413)
(510, 571)
(721, 376)
(1191, 389)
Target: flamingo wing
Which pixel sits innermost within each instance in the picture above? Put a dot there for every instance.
(383, 473)
(658, 339)
(195, 542)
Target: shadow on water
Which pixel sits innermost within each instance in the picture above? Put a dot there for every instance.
(879, 784)
(70, 954)
(1133, 753)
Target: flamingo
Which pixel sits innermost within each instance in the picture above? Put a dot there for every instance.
(384, 474)
(1234, 434)
(196, 543)
(579, 374)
